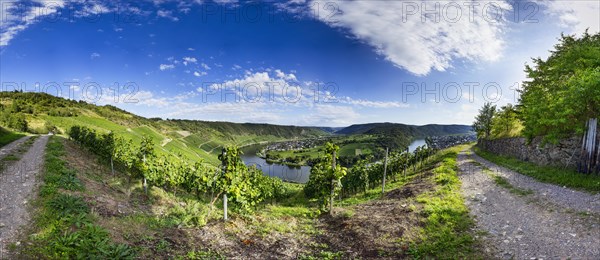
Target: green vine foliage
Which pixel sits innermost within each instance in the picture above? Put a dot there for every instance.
(366, 174)
(323, 176)
(246, 187)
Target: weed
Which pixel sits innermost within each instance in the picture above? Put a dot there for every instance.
(548, 174)
(503, 182)
(203, 255)
(68, 204)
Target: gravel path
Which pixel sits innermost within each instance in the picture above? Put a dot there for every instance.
(526, 227)
(16, 185)
(548, 193)
(10, 148)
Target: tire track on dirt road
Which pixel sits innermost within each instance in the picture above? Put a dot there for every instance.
(522, 226)
(17, 183)
(12, 147)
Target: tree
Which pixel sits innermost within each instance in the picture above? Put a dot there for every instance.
(563, 91)
(483, 121)
(505, 122)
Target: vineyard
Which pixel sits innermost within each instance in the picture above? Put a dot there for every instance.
(246, 187)
(141, 204)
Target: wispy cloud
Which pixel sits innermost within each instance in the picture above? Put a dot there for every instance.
(16, 17)
(164, 67)
(167, 14)
(199, 73)
(188, 60)
(94, 55)
(405, 35)
(578, 15)
(373, 104)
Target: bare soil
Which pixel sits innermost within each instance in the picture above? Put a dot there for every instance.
(378, 229)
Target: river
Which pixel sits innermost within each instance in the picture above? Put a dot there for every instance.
(286, 173)
(416, 143)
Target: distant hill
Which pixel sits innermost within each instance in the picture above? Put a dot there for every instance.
(330, 129)
(400, 135)
(416, 131)
(194, 139)
(41, 113)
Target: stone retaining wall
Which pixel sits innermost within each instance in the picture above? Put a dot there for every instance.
(564, 154)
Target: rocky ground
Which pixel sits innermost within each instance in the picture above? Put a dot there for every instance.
(17, 183)
(545, 222)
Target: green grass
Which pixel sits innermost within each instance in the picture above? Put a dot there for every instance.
(446, 234)
(63, 227)
(547, 174)
(16, 155)
(503, 182)
(7, 137)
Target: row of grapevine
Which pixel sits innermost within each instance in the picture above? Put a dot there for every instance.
(247, 187)
(325, 180)
(365, 175)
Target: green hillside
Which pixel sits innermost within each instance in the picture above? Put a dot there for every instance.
(7, 137)
(400, 135)
(41, 113)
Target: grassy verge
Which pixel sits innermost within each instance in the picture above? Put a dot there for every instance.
(446, 232)
(503, 182)
(63, 226)
(17, 154)
(553, 175)
(7, 137)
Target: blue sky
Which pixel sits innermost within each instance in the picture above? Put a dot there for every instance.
(300, 62)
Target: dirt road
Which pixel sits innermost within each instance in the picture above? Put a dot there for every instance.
(17, 183)
(545, 222)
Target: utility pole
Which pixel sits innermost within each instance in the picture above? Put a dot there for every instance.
(384, 171)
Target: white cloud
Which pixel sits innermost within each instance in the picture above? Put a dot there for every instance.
(373, 104)
(287, 77)
(188, 60)
(191, 49)
(331, 115)
(199, 74)
(205, 66)
(405, 40)
(167, 14)
(236, 67)
(11, 24)
(92, 8)
(94, 55)
(577, 15)
(164, 67)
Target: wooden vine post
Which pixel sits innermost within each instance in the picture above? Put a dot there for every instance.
(588, 162)
(333, 180)
(384, 171)
(224, 154)
(405, 163)
(145, 181)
